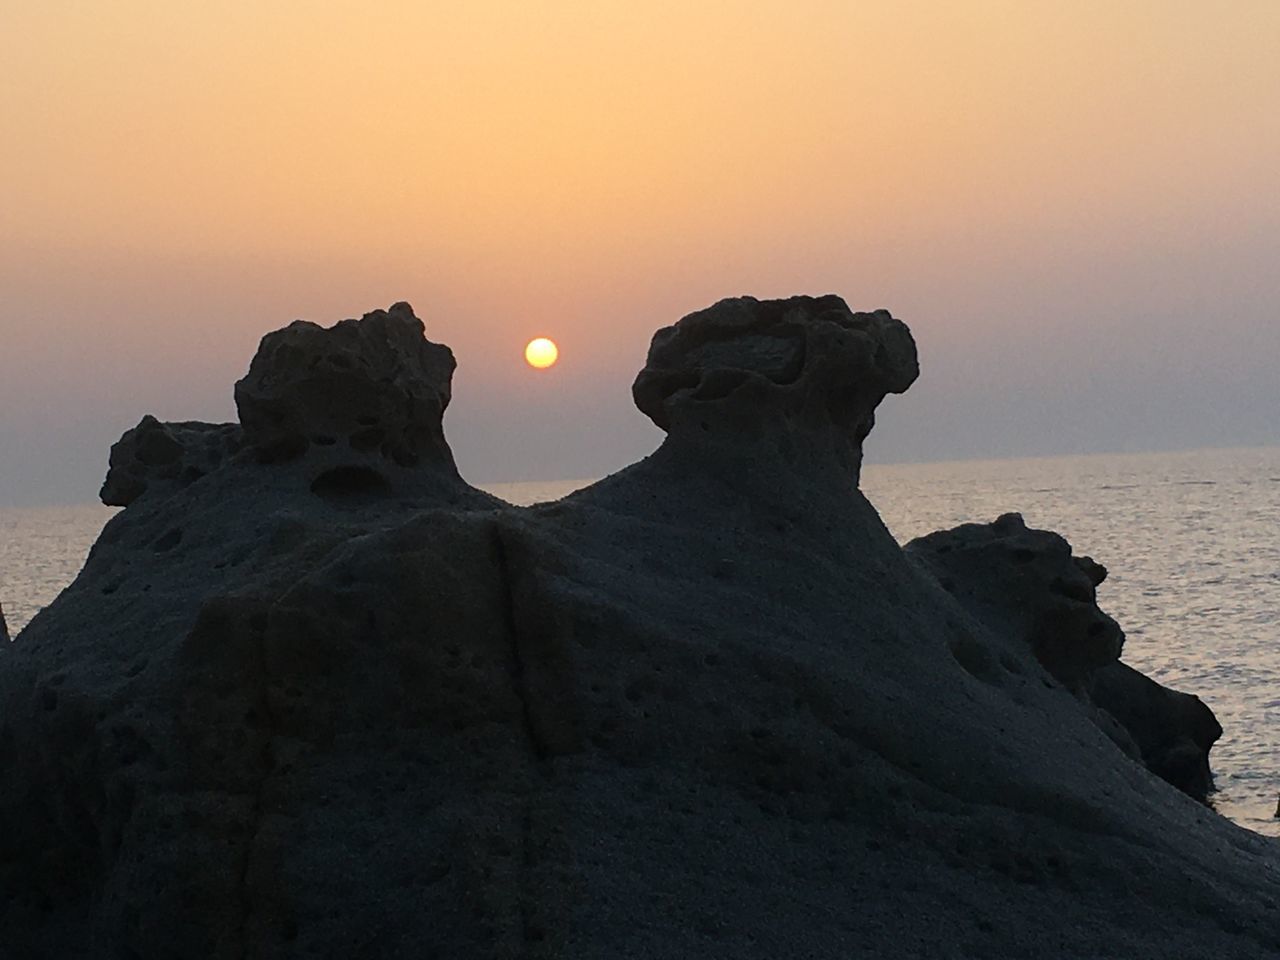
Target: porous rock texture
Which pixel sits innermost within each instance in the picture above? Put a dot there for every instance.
(163, 457)
(802, 375)
(703, 708)
(1027, 587)
(374, 386)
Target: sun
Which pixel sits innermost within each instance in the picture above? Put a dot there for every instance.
(541, 353)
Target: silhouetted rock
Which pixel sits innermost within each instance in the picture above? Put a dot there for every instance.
(374, 387)
(777, 370)
(704, 708)
(158, 458)
(1026, 584)
(1174, 731)
(4, 627)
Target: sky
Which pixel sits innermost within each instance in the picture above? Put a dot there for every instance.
(1075, 207)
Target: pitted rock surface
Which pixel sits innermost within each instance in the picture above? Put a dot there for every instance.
(705, 708)
(373, 387)
(1027, 584)
(157, 458)
(743, 364)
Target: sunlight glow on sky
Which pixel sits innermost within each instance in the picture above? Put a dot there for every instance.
(1076, 207)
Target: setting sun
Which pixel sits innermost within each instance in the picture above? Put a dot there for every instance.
(541, 353)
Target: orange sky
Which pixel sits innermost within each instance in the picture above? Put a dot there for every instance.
(1035, 187)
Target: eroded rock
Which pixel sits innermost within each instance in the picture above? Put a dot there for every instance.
(703, 708)
(374, 387)
(775, 369)
(157, 458)
(1027, 584)
(1174, 731)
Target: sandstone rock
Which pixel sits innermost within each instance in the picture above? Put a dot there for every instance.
(374, 387)
(704, 708)
(157, 458)
(1026, 584)
(1174, 731)
(350, 413)
(775, 368)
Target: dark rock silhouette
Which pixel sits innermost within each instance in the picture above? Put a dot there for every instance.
(4, 627)
(774, 370)
(704, 708)
(160, 458)
(373, 387)
(1026, 585)
(1173, 731)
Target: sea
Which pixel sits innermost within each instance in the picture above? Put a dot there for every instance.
(1191, 540)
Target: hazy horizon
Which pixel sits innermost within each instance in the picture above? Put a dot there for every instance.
(1076, 211)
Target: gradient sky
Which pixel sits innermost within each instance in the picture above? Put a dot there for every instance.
(1076, 207)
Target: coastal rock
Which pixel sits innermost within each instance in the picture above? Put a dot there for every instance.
(350, 413)
(775, 369)
(1027, 584)
(157, 458)
(1174, 731)
(706, 707)
(374, 387)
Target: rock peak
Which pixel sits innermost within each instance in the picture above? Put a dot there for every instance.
(803, 364)
(358, 408)
(375, 385)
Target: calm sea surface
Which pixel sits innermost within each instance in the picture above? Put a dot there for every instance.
(1192, 541)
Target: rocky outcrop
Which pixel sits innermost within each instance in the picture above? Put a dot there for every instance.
(1173, 731)
(373, 388)
(704, 708)
(4, 627)
(1026, 584)
(159, 458)
(774, 371)
(350, 412)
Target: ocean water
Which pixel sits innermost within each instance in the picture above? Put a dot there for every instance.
(1191, 540)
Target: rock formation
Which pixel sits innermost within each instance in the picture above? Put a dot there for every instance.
(160, 458)
(373, 388)
(803, 373)
(1025, 583)
(4, 627)
(1173, 731)
(704, 708)
(1027, 586)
